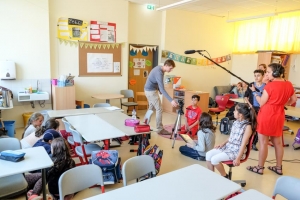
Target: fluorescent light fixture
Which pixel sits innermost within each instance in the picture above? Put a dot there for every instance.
(173, 5)
(252, 17)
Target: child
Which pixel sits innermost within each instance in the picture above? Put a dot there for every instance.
(234, 147)
(264, 68)
(62, 162)
(258, 77)
(192, 115)
(32, 138)
(35, 121)
(48, 137)
(206, 139)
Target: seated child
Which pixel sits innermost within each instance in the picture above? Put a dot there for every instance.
(48, 137)
(192, 115)
(62, 162)
(206, 139)
(234, 148)
(34, 122)
(32, 138)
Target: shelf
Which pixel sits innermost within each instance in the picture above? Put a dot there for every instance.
(179, 97)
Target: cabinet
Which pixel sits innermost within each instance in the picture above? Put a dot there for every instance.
(267, 57)
(63, 97)
(185, 95)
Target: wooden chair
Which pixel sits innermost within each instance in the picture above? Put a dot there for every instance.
(139, 99)
(79, 103)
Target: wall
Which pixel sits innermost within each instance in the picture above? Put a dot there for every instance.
(187, 30)
(64, 58)
(24, 38)
(295, 70)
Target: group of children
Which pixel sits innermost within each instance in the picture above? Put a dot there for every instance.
(55, 145)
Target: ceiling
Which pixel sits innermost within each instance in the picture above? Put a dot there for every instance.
(231, 9)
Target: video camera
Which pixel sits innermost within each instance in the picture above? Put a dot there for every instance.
(181, 102)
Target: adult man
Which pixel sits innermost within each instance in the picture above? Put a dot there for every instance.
(154, 84)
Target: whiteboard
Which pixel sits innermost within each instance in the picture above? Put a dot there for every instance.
(99, 62)
(243, 65)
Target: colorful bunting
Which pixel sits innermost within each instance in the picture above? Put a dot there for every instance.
(91, 45)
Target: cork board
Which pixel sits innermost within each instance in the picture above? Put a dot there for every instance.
(99, 59)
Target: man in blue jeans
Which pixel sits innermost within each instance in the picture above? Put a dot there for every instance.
(155, 84)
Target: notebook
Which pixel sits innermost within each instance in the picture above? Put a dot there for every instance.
(187, 139)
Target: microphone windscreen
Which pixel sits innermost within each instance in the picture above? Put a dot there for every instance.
(189, 51)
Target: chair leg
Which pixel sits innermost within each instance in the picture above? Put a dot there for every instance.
(217, 120)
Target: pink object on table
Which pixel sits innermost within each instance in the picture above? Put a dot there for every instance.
(132, 122)
(54, 81)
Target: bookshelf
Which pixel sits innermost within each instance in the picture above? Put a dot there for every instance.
(267, 57)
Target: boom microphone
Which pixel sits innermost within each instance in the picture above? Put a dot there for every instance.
(192, 51)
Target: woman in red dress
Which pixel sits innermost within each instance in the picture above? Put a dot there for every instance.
(277, 94)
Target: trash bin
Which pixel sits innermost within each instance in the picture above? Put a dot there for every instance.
(10, 127)
(26, 116)
(46, 116)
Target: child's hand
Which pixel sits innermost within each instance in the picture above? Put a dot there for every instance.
(236, 162)
(189, 145)
(252, 88)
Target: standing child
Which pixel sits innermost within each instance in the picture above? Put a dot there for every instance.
(206, 139)
(35, 121)
(62, 162)
(234, 148)
(192, 115)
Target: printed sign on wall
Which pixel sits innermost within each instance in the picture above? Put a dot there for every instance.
(72, 29)
(102, 31)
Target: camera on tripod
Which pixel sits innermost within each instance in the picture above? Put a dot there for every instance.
(181, 103)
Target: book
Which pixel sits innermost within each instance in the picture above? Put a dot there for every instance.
(187, 139)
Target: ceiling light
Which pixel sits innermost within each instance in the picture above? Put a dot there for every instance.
(173, 5)
(252, 17)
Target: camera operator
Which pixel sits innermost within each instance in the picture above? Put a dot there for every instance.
(155, 84)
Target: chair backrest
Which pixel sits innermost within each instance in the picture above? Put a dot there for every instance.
(136, 167)
(147, 117)
(79, 178)
(79, 104)
(127, 93)
(101, 105)
(9, 144)
(76, 135)
(67, 125)
(288, 187)
(222, 101)
(231, 103)
(139, 96)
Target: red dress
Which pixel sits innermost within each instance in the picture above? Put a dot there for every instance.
(271, 116)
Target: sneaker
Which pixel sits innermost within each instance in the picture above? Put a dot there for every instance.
(164, 132)
(201, 158)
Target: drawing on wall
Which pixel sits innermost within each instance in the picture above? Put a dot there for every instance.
(117, 67)
(139, 63)
(145, 73)
(72, 29)
(100, 62)
(103, 31)
(136, 72)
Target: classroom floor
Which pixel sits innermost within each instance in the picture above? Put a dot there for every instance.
(173, 160)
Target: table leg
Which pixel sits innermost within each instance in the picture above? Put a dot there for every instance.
(44, 182)
(106, 144)
(107, 101)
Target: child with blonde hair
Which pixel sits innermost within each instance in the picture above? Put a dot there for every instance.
(34, 122)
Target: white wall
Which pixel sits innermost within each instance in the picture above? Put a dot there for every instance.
(24, 39)
(294, 74)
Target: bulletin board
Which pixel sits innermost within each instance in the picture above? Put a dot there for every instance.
(99, 59)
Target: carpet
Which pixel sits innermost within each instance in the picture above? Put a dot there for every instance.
(169, 129)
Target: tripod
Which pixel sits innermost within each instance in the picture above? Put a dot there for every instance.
(177, 125)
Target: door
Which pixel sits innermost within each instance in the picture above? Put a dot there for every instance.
(142, 58)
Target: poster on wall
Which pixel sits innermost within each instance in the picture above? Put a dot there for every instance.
(103, 31)
(99, 62)
(72, 29)
(139, 63)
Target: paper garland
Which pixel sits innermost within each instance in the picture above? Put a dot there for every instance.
(144, 48)
(91, 45)
(194, 61)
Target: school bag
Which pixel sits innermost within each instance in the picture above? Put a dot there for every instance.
(297, 140)
(156, 154)
(225, 125)
(110, 163)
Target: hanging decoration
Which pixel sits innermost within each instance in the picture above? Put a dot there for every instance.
(102, 31)
(193, 61)
(72, 29)
(91, 45)
(143, 48)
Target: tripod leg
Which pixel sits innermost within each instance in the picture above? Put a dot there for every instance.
(174, 128)
(177, 127)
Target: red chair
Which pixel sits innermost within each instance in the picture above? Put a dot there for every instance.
(231, 103)
(221, 101)
(230, 162)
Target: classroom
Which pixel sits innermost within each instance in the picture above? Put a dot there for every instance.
(33, 43)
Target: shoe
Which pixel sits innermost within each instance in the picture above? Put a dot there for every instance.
(276, 169)
(164, 132)
(254, 147)
(256, 169)
(201, 158)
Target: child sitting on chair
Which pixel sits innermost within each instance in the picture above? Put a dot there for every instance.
(234, 148)
(206, 139)
(192, 115)
(34, 122)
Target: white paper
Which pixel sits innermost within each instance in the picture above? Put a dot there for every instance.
(83, 35)
(99, 62)
(117, 67)
(139, 63)
(111, 36)
(63, 23)
(136, 72)
(112, 108)
(103, 35)
(94, 31)
(94, 26)
(63, 28)
(95, 36)
(64, 34)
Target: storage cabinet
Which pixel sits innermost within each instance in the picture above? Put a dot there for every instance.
(267, 57)
(185, 95)
(63, 97)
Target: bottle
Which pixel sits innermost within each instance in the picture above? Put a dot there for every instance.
(30, 89)
(133, 114)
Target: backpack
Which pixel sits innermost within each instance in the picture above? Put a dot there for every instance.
(225, 126)
(230, 113)
(212, 103)
(156, 154)
(110, 163)
(297, 140)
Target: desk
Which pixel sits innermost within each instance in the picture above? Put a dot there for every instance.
(238, 100)
(84, 111)
(35, 158)
(107, 97)
(251, 195)
(192, 182)
(93, 128)
(292, 111)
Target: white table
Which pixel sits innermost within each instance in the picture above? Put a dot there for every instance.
(107, 97)
(35, 158)
(84, 111)
(292, 111)
(192, 182)
(93, 128)
(251, 195)
(238, 100)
